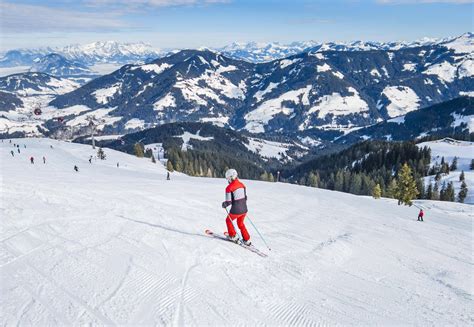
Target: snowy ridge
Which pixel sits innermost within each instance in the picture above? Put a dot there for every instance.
(123, 246)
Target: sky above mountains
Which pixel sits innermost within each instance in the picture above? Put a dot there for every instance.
(195, 23)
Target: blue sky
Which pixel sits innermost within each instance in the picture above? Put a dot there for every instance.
(194, 23)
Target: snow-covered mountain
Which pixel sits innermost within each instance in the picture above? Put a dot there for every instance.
(315, 95)
(453, 118)
(36, 84)
(264, 52)
(86, 54)
(121, 245)
(23, 94)
(56, 65)
(331, 90)
(110, 52)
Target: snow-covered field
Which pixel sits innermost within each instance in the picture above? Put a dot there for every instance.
(118, 246)
(464, 151)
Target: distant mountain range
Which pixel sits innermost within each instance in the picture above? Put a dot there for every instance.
(87, 55)
(126, 53)
(263, 52)
(309, 93)
(313, 97)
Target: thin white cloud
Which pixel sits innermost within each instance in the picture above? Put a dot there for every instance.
(19, 18)
(308, 21)
(398, 2)
(150, 3)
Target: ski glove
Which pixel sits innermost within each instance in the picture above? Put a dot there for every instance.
(225, 204)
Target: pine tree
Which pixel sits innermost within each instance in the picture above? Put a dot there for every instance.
(449, 194)
(138, 150)
(271, 178)
(442, 192)
(339, 181)
(356, 184)
(101, 154)
(169, 166)
(454, 164)
(377, 191)
(429, 192)
(407, 190)
(313, 179)
(462, 177)
(392, 189)
(462, 192)
(420, 185)
(436, 194)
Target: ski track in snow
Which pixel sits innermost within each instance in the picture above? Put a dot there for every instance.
(123, 246)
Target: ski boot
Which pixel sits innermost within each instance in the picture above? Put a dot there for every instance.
(234, 239)
(248, 243)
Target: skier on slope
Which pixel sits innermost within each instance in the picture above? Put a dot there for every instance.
(32, 160)
(236, 195)
(420, 215)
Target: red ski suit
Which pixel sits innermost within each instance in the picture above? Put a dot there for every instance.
(236, 195)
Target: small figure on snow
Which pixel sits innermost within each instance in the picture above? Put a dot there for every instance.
(420, 215)
(90, 159)
(236, 195)
(51, 146)
(18, 150)
(168, 176)
(76, 168)
(44, 159)
(118, 165)
(32, 160)
(13, 153)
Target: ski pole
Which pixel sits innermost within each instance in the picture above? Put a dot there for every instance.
(255, 227)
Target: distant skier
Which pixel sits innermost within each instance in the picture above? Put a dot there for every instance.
(90, 159)
(420, 215)
(118, 165)
(32, 160)
(24, 145)
(236, 195)
(51, 146)
(44, 159)
(18, 150)
(13, 153)
(76, 168)
(168, 176)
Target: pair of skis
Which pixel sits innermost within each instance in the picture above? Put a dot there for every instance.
(225, 238)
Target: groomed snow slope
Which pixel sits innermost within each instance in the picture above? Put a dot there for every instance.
(114, 246)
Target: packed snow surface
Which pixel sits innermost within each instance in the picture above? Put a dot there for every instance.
(123, 246)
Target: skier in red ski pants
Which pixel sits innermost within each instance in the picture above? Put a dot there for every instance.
(236, 195)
